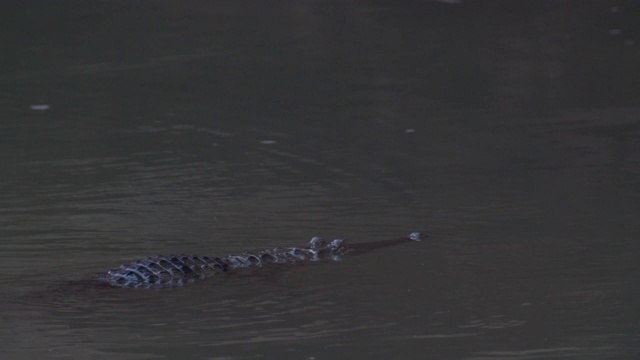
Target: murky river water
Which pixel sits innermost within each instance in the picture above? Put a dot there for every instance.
(507, 131)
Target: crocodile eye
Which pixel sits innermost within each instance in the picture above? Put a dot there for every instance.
(316, 242)
(338, 244)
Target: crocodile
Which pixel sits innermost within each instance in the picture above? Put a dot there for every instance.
(179, 270)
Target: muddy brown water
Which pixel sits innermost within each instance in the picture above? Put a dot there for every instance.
(507, 131)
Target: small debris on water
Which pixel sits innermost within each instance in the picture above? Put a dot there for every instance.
(39, 107)
(267, 142)
(409, 131)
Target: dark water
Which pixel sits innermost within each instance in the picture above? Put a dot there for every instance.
(507, 131)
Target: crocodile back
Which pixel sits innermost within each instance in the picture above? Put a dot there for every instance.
(179, 270)
(164, 271)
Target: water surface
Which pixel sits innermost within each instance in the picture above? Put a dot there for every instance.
(507, 131)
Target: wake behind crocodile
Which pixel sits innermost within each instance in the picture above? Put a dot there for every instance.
(178, 270)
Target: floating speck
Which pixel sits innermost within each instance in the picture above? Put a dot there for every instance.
(267, 142)
(39, 107)
(613, 32)
(409, 131)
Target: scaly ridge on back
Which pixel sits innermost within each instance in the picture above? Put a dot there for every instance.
(178, 270)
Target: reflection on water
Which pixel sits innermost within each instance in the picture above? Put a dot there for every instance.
(508, 131)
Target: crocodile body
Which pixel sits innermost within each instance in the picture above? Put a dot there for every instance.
(179, 270)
